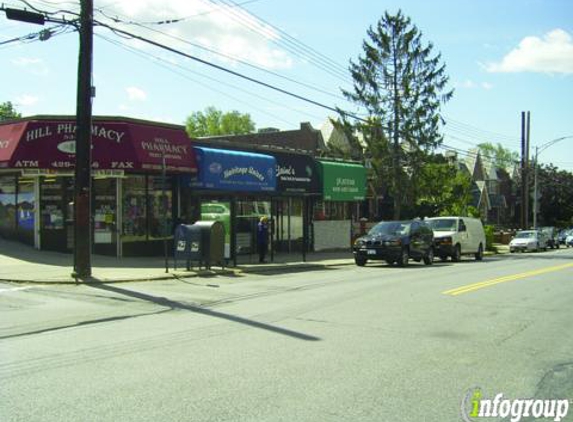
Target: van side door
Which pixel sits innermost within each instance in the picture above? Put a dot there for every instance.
(465, 238)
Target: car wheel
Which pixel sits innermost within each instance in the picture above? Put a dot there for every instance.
(479, 254)
(457, 256)
(360, 261)
(404, 258)
(429, 258)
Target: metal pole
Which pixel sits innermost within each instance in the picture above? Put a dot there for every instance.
(165, 210)
(82, 186)
(535, 190)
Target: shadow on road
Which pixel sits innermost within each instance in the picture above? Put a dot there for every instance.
(171, 304)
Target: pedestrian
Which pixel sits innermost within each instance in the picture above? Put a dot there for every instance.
(263, 237)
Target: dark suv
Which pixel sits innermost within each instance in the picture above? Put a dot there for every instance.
(396, 241)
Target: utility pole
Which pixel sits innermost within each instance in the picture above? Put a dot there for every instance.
(524, 170)
(83, 180)
(527, 143)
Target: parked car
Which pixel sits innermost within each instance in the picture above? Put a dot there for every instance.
(551, 233)
(562, 236)
(457, 236)
(528, 241)
(569, 239)
(396, 241)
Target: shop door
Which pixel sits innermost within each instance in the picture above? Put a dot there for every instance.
(288, 227)
(56, 223)
(104, 216)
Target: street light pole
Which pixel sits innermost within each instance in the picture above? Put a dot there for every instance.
(539, 149)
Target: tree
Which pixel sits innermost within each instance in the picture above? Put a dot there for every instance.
(8, 112)
(556, 201)
(499, 155)
(443, 189)
(401, 85)
(213, 122)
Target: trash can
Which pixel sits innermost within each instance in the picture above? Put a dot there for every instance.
(202, 242)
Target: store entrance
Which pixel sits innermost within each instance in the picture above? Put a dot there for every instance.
(288, 227)
(57, 214)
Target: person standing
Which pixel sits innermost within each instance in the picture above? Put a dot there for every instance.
(262, 237)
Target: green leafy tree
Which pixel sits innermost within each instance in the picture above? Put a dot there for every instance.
(214, 122)
(556, 201)
(443, 189)
(499, 155)
(401, 84)
(8, 112)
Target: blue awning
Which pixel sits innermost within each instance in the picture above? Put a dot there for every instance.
(234, 170)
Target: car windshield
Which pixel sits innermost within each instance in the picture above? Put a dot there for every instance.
(390, 228)
(443, 225)
(525, 235)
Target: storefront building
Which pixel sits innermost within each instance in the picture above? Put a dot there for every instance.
(343, 191)
(297, 187)
(135, 191)
(233, 187)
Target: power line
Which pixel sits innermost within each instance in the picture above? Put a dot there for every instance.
(289, 43)
(226, 56)
(169, 66)
(42, 35)
(481, 132)
(232, 72)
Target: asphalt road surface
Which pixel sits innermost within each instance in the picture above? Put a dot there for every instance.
(377, 343)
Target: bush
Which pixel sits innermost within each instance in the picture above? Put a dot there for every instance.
(489, 230)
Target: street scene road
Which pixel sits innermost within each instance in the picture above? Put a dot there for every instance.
(347, 343)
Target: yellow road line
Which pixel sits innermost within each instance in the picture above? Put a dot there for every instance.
(483, 284)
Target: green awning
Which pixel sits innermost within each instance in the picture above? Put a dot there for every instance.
(342, 181)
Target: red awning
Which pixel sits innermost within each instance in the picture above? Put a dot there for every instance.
(116, 145)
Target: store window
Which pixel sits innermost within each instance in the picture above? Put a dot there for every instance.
(160, 207)
(104, 211)
(7, 205)
(26, 205)
(52, 205)
(248, 214)
(289, 225)
(325, 210)
(134, 209)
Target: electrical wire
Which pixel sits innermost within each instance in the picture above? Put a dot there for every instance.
(166, 64)
(227, 56)
(44, 12)
(478, 132)
(232, 72)
(289, 43)
(54, 31)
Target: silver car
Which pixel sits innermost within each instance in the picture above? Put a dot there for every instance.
(527, 241)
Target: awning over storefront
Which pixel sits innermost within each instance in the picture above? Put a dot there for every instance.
(234, 170)
(342, 181)
(296, 173)
(116, 145)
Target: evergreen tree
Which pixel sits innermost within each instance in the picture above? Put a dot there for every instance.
(401, 85)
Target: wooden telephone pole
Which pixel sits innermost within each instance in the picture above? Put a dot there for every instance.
(82, 186)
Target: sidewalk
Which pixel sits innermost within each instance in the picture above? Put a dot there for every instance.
(24, 264)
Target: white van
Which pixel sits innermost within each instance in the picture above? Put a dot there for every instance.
(457, 236)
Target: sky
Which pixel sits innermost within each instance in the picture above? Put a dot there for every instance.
(502, 57)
